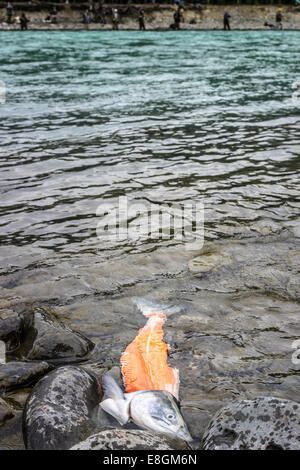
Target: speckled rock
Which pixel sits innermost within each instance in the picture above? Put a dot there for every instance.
(5, 412)
(260, 424)
(125, 439)
(48, 339)
(60, 410)
(11, 325)
(16, 374)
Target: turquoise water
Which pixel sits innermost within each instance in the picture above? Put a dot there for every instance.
(158, 116)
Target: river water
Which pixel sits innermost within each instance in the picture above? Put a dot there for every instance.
(159, 117)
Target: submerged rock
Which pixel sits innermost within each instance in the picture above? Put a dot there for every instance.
(266, 268)
(16, 374)
(260, 424)
(127, 439)
(46, 338)
(209, 261)
(61, 409)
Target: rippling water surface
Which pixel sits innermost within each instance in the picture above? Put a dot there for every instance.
(160, 116)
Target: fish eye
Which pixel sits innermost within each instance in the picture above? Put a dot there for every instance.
(170, 416)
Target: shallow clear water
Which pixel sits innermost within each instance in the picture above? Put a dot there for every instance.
(158, 116)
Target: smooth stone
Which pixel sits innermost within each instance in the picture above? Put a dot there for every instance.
(61, 409)
(127, 439)
(11, 325)
(5, 412)
(264, 423)
(18, 374)
(48, 339)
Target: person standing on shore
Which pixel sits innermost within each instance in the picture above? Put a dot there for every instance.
(9, 12)
(226, 20)
(53, 15)
(86, 17)
(23, 22)
(142, 19)
(99, 15)
(115, 19)
(177, 15)
(279, 18)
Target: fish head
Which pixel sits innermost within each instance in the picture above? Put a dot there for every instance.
(157, 410)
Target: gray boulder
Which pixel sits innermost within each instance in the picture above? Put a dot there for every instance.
(127, 439)
(45, 338)
(259, 424)
(61, 409)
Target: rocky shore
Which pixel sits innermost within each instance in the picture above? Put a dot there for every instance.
(232, 330)
(160, 17)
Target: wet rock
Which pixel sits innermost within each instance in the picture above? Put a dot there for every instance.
(19, 374)
(17, 398)
(11, 325)
(11, 433)
(95, 369)
(61, 410)
(125, 439)
(289, 387)
(265, 423)
(48, 339)
(5, 412)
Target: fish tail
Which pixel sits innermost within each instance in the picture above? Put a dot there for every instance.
(149, 308)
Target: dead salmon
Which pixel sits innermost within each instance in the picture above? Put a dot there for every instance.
(144, 362)
(154, 410)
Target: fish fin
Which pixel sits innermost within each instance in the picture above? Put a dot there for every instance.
(176, 386)
(114, 402)
(111, 389)
(173, 388)
(119, 409)
(147, 307)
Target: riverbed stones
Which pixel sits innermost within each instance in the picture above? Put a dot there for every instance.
(265, 423)
(18, 374)
(61, 409)
(135, 439)
(48, 339)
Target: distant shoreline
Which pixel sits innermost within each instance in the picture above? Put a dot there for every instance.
(208, 17)
(153, 30)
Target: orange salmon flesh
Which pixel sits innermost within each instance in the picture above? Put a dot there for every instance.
(144, 362)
